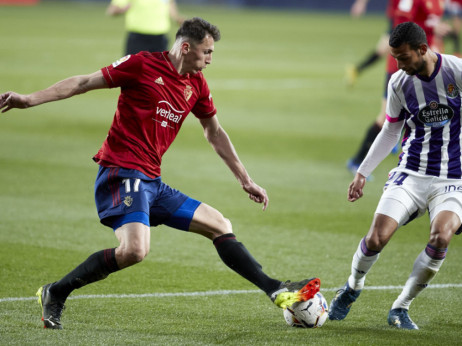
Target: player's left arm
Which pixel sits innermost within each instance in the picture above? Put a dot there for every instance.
(64, 89)
(221, 143)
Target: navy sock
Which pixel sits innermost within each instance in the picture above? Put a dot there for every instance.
(96, 267)
(235, 255)
(370, 60)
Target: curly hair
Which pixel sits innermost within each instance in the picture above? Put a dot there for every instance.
(195, 29)
(408, 33)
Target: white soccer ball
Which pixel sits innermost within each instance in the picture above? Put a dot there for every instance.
(309, 314)
(291, 320)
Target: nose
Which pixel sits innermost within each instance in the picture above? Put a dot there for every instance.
(400, 65)
(208, 59)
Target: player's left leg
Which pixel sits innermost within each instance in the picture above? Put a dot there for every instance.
(367, 253)
(211, 224)
(426, 266)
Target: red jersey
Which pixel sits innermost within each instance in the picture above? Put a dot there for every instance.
(425, 13)
(154, 101)
(451, 2)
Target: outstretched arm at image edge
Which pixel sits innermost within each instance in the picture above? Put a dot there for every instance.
(64, 89)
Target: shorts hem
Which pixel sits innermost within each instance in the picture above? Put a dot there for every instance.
(137, 216)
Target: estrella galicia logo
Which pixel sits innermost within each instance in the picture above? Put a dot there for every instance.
(452, 91)
(435, 114)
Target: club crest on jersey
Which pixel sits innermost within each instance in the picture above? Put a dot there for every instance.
(435, 114)
(121, 60)
(188, 92)
(452, 91)
(128, 201)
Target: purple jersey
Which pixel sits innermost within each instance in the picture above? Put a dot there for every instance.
(431, 110)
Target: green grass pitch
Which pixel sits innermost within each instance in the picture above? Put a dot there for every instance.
(277, 81)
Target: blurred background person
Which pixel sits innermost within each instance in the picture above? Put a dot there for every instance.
(381, 49)
(428, 15)
(454, 11)
(147, 23)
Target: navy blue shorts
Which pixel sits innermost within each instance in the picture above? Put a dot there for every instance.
(127, 195)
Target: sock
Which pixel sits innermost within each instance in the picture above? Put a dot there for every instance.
(372, 132)
(426, 266)
(237, 257)
(363, 259)
(96, 267)
(371, 59)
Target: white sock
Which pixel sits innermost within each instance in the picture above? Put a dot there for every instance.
(424, 270)
(363, 259)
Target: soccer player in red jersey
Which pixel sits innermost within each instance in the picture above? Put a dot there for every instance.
(158, 91)
(454, 11)
(427, 14)
(358, 8)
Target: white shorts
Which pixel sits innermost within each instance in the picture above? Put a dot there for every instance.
(408, 194)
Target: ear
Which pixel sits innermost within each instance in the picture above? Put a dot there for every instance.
(185, 48)
(423, 49)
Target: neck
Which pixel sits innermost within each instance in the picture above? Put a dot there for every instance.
(430, 63)
(177, 60)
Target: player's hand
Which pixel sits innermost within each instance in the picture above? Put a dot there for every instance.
(256, 193)
(11, 100)
(355, 190)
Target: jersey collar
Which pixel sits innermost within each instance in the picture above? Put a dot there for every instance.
(435, 71)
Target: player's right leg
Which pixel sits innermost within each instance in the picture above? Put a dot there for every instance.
(52, 308)
(134, 246)
(131, 229)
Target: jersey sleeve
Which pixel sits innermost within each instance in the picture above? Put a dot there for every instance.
(395, 110)
(204, 107)
(123, 72)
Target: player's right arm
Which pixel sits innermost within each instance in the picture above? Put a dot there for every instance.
(64, 89)
(382, 146)
(355, 190)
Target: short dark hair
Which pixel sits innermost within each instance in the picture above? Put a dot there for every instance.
(408, 33)
(196, 29)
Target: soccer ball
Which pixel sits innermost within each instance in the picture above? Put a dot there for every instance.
(309, 314)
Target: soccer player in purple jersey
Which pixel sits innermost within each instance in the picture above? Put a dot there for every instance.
(158, 90)
(424, 98)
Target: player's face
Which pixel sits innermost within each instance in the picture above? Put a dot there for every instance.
(199, 55)
(409, 60)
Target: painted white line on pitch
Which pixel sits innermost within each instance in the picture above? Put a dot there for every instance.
(211, 293)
